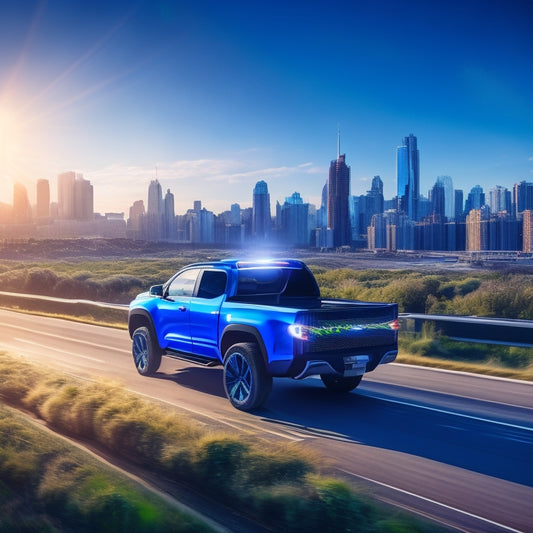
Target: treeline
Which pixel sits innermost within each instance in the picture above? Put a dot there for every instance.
(490, 294)
(105, 281)
(480, 293)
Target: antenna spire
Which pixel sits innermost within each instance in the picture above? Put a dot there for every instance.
(338, 141)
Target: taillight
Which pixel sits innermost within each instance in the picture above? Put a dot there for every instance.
(299, 332)
(395, 324)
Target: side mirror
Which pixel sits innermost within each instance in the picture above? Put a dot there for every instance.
(156, 290)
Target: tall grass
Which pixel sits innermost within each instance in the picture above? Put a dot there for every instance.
(279, 485)
(48, 485)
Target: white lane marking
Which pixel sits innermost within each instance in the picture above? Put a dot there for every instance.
(376, 379)
(429, 500)
(25, 341)
(237, 424)
(452, 413)
(78, 341)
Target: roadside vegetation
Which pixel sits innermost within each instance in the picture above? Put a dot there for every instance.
(278, 485)
(48, 485)
(478, 293)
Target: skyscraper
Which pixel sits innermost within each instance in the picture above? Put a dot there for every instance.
(500, 199)
(261, 219)
(449, 196)
(169, 218)
(293, 221)
(522, 197)
(475, 199)
(43, 199)
(21, 205)
(154, 212)
(65, 195)
(339, 201)
(155, 198)
(83, 199)
(438, 200)
(408, 177)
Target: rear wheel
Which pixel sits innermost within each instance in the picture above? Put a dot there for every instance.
(146, 351)
(340, 383)
(246, 381)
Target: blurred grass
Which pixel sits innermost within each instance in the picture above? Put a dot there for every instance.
(47, 484)
(278, 484)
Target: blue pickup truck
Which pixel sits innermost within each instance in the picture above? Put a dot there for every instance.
(260, 319)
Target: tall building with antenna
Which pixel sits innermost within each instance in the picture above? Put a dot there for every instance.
(339, 200)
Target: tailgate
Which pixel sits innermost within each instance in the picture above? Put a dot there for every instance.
(348, 326)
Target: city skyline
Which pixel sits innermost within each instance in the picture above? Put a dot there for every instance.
(211, 97)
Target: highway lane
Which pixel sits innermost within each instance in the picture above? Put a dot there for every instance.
(453, 446)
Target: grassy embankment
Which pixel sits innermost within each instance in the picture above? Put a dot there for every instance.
(46, 485)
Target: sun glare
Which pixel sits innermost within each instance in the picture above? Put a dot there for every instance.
(9, 143)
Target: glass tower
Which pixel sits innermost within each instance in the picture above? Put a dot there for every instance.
(408, 177)
(261, 219)
(338, 202)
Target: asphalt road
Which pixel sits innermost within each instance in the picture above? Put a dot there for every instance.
(456, 447)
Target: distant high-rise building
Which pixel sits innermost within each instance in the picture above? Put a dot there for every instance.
(235, 215)
(21, 205)
(438, 201)
(522, 197)
(458, 205)
(261, 218)
(294, 221)
(475, 199)
(65, 195)
(43, 199)
(155, 198)
(500, 199)
(339, 202)
(408, 177)
(83, 199)
(527, 231)
(169, 218)
(449, 197)
(374, 197)
(477, 229)
(135, 221)
(153, 225)
(75, 197)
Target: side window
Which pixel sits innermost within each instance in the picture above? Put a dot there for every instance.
(213, 284)
(183, 284)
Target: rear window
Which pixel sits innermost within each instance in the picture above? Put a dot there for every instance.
(261, 281)
(293, 283)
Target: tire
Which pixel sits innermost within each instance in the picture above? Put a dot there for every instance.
(146, 351)
(339, 383)
(246, 381)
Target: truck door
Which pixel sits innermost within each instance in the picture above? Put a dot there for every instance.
(205, 310)
(175, 312)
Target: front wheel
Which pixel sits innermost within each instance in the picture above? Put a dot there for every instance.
(146, 351)
(246, 381)
(340, 383)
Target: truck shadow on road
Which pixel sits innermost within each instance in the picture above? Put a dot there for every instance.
(363, 418)
(206, 380)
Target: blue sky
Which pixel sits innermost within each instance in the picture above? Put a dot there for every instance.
(213, 96)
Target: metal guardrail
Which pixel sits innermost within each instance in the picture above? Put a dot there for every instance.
(68, 301)
(463, 328)
(475, 329)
